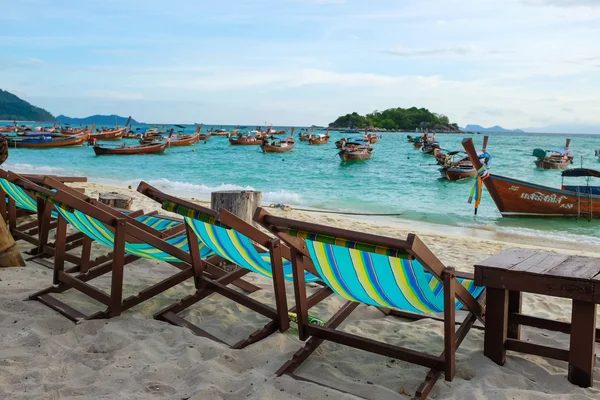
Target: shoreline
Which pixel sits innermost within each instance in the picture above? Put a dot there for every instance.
(456, 236)
(459, 233)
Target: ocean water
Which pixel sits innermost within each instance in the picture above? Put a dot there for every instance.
(397, 179)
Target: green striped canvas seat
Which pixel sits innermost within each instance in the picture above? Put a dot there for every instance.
(238, 249)
(24, 201)
(97, 231)
(380, 277)
(21, 198)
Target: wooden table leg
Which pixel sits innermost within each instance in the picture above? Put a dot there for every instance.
(582, 347)
(496, 322)
(514, 306)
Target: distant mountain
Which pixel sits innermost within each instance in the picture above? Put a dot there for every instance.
(108, 120)
(13, 108)
(495, 128)
(566, 128)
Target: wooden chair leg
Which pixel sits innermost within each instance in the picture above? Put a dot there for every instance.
(449, 324)
(300, 293)
(197, 263)
(86, 254)
(12, 214)
(283, 320)
(60, 250)
(116, 286)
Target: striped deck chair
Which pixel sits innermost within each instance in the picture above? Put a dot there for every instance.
(400, 275)
(19, 202)
(232, 239)
(129, 240)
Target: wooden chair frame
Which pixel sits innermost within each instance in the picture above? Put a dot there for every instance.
(279, 315)
(34, 232)
(315, 335)
(125, 228)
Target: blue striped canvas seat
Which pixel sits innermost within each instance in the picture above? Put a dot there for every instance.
(238, 249)
(97, 231)
(380, 280)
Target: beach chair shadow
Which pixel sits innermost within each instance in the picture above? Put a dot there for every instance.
(129, 240)
(234, 241)
(400, 277)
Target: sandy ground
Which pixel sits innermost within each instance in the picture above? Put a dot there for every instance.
(45, 356)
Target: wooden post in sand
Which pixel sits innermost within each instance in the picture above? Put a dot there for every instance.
(242, 203)
(10, 256)
(116, 200)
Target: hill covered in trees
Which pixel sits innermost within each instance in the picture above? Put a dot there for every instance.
(404, 119)
(13, 108)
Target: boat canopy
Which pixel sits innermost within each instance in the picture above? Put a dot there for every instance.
(578, 172)
(559, 151)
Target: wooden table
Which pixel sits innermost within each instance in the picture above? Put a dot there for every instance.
(513, 271)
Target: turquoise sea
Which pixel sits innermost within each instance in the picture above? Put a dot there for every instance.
(397, 179)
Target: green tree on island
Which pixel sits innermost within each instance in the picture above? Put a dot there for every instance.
(406, 119)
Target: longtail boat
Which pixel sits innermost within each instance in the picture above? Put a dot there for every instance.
(354, 150)
(111, 134)
(7, 129)
(278, 146)
(319, 139)
(246, 140)
(373, 138)
(304, 136)
(455, 166)
(515, 198)
(41, 142)
(184, 140)
(203, 136)
(152, 148)
(553, 158)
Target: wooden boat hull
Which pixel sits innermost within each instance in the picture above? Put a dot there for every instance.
(418, 145)
(543, 164)
(354, 156)
(516, 198)
(115, 134)
(50, 142)
(242, 142)
(157, 148)
(373, 140)
(318, 141)
(187, 141)
(277, 149)
(218, 134)
(456, 174)
(205, 137)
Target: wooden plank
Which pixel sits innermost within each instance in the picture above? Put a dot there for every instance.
(537, 350)
(540, 263)
(506, 259)
(540, 284)
(576, 267)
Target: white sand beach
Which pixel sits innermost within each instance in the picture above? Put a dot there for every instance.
(45, 356)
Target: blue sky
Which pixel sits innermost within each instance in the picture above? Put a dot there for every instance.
(517, 63)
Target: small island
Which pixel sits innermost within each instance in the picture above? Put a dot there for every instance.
(396, 119)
